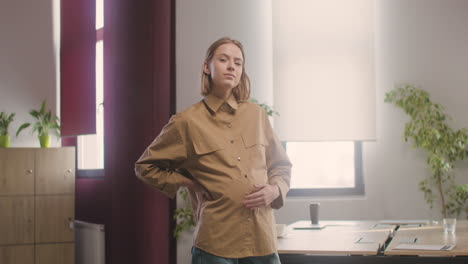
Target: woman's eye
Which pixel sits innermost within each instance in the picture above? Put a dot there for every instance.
(222, 59)
(238, 64)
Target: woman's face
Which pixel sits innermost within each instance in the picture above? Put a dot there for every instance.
(225, 68)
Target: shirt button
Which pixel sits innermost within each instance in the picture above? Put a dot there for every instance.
(245, 175)
(232, 141)
(238, 158)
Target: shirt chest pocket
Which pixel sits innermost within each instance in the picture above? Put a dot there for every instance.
(212, 154)
(255, 146)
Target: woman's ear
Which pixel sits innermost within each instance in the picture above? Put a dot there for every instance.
(206, 69)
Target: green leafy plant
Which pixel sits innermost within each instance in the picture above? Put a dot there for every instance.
(5, 121)
(45, 122)
(184, 217)
(429, 130)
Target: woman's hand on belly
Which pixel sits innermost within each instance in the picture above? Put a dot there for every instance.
(262, 196)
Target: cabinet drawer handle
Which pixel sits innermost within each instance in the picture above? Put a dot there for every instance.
(29, 171)
(69, 170)
(71, 223)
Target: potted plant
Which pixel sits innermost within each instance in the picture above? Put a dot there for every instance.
(45, 123)
(5, 121)
(429, 130)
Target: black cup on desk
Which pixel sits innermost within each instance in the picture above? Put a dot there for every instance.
(314, 213)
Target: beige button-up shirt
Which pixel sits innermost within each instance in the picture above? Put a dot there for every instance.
(227, 146)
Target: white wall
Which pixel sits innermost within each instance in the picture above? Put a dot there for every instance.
(28, 63)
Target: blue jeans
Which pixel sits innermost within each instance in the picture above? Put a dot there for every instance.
(201, 257)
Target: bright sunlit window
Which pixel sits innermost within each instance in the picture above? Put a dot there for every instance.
(325, 168)
(99, 14)
(90, 148)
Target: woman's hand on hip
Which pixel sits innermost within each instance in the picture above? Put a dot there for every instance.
(197, 188)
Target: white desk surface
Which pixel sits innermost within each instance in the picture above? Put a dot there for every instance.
(336, 238)
(431, 235)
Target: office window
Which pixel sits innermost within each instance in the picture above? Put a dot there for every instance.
(325, 168)
(90, 148)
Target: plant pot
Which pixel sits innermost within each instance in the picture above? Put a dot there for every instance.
(45, 141)
(5, 141)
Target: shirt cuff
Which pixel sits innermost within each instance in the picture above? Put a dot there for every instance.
(172, 185)
(283, 188)
(167, 182)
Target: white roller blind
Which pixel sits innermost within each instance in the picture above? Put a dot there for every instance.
(323, 68)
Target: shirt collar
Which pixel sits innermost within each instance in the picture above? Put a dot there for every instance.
(214, 103)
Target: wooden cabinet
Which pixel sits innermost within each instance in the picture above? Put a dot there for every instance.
(59, 178)
(16, 220)
(37, 205)
(62, 253)
(53, 216)
(17, 254)
(16, 172)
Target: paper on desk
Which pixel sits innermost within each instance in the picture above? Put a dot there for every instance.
(411, 225)
(408, 240)
(306, 225)
(383, 226)
(309, 226)
(364, 240)
(404, 222)
(424, 247)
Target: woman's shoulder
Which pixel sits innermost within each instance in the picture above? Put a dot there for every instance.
(252, 107)
(188, 113)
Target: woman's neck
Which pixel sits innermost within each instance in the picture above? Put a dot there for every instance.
(222, 93)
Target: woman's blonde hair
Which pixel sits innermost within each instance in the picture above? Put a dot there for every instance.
(242, 91)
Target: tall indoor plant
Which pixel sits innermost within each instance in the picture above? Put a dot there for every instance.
(45, 123)
(429, 130)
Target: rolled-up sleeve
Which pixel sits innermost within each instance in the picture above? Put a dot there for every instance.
(278, 164)
(158, 165)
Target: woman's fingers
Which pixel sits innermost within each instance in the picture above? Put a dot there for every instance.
(262, 196)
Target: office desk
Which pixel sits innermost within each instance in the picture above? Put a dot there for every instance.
(336, 238)
(430, 235)
(366, 242)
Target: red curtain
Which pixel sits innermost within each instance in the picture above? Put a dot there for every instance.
(139, 99)
(77, 67)
(139, 85)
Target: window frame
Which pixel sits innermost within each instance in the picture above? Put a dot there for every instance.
(96, 173)
(358, 189)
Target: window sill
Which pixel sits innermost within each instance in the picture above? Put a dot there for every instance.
(90, 173)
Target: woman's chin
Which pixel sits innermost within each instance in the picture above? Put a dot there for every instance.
(230, 84)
